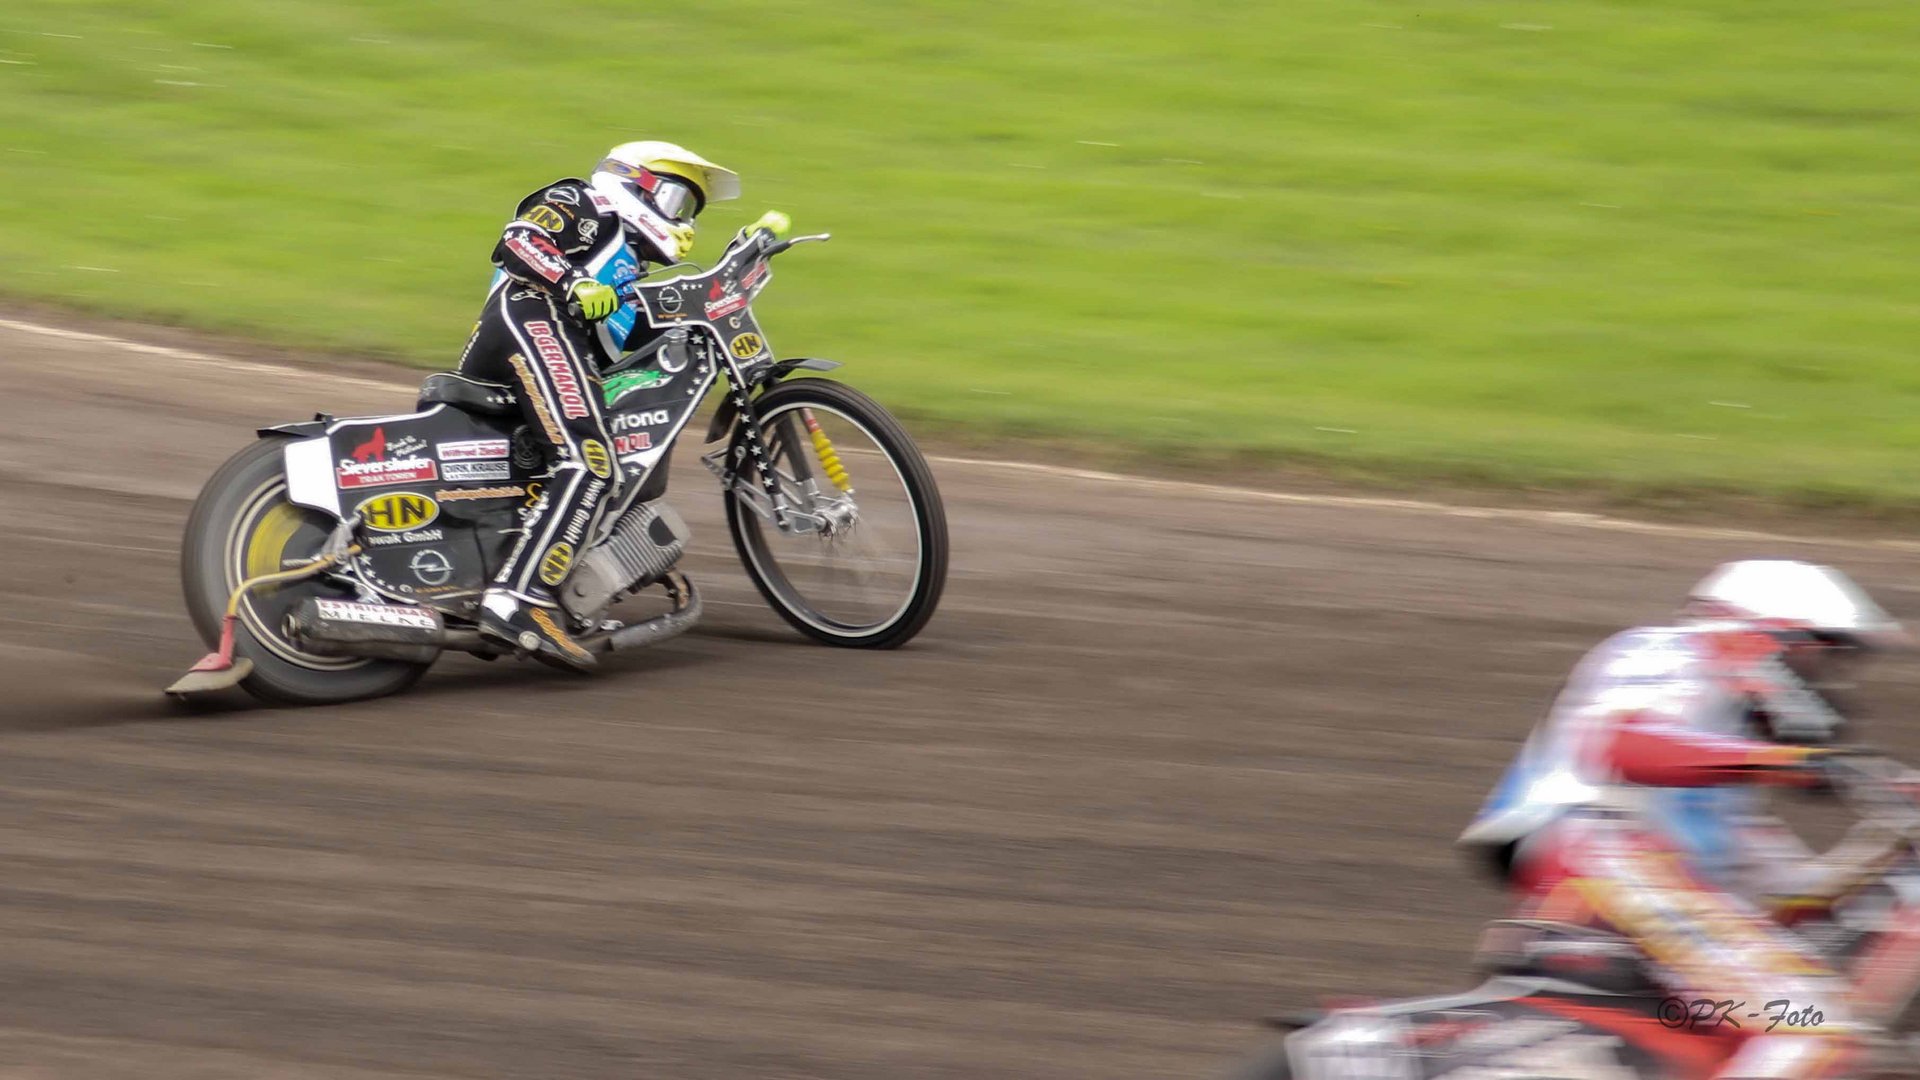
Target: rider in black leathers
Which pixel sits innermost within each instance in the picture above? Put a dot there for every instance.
(567, 246)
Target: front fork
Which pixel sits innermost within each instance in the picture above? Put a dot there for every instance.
(817, 513)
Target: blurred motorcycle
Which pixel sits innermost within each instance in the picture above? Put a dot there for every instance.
(335, 559)
(1567, 1001)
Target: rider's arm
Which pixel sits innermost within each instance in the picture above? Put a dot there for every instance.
(554, 225)
(1650, 748)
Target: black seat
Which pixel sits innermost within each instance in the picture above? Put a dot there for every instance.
(468, 395)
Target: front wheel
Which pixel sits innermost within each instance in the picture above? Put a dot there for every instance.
(861, 558)
(242, 526)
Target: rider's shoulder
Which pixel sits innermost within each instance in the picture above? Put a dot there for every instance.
(568, 191)
(1647, 654)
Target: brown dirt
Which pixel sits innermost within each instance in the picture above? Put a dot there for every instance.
(1165, 762)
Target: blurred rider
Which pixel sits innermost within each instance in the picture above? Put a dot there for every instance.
(553, 318)
(1695, 717)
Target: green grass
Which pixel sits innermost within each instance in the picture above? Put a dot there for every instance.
(1627, 243)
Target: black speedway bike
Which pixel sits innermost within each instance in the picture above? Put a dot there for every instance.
(336, 558)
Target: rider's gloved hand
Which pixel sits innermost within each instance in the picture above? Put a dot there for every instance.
(775, 222)
(680, 238)
(596, 300)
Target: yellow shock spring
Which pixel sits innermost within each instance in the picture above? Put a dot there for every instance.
(823, 448)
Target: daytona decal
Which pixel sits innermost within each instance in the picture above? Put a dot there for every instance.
(566, 384)
(642, 418)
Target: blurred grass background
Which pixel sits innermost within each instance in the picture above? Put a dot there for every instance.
(1652, 246)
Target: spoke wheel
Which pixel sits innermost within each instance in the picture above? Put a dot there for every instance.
(863, 560)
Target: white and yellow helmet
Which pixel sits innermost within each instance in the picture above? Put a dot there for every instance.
(661, 180)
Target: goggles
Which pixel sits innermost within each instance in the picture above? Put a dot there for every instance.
(675, 199)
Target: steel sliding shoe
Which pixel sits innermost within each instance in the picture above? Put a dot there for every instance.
(535, 631)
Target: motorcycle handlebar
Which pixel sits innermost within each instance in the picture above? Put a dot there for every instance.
(770, 247)
(1877, 786)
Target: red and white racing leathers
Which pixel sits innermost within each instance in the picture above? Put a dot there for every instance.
(1634, 809)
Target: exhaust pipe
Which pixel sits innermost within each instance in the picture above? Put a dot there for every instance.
(349, 628)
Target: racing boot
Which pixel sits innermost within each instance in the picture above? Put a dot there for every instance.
(533, 629)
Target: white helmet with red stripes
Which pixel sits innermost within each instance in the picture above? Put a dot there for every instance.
(1821, 622)
(658, 188)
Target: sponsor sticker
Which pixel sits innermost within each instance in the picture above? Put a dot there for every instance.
(546, 217)
(565, 193)
(632, 444)
(594, 453)
(366, 474)
(555, 564)
(538, 401)
(455, 471)
(746, 346)
(422, 536)
(566, 384)
(474, 450)
(374, 449)
(431, 566)
(753, 276)
(536, 252)
(726, 306)
(600, 202)
(397, 512)
(618, 386)
(377, 614)
(589, 228)
(474, 494)
(670, 300)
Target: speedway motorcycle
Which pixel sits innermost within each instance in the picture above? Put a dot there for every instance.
(1565, 1001)
(335, 559)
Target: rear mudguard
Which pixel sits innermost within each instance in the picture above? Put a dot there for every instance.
(303, 429)
(723, 416)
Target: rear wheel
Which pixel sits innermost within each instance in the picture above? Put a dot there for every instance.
(863, 560)
(242, 526)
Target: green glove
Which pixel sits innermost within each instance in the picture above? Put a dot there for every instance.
(774, 222)
(596, 300)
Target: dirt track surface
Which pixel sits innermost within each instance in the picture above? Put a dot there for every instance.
(1164, 763)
